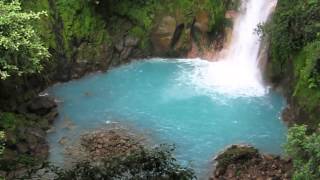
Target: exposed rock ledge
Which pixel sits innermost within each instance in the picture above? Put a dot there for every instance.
(239, 162)
(103, 143)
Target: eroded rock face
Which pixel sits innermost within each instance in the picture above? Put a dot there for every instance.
(245, 162)
(125, 47)
(163, 34)
(89, 58)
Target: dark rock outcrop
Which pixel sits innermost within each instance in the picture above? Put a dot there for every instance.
(163, 34)
(243, 162)
(26, 144)
(41, 105)
(26, 136)
(124, 48)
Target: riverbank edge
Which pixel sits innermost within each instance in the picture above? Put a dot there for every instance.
(242, 161)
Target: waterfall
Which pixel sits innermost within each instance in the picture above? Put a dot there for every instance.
(236, 72)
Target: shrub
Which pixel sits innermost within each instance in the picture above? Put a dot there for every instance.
(304, 149)
(156, 163)
(21, 50)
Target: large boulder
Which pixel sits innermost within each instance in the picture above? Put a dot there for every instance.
(26, 144)
(41, 105)
(233, 154)
(245, 162)
(124, 49)
(163, 34)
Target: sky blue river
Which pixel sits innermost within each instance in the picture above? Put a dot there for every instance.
(164, 100)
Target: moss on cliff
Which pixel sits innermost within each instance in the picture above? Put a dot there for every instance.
(83, 33)
(307, 81)
(80, 24)
(69, 25)
(295, 53)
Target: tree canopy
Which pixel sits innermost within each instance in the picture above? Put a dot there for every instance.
(21, 49)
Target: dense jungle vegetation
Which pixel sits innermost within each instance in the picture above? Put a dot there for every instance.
(294, 33)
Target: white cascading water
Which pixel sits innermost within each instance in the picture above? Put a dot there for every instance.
(237, 73)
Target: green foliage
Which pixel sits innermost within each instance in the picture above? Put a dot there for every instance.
(157, 163)
(295, 53)
(235, 154)
(143, 14)
(304, 149)
(21, 50)
(70, 24)
(2, 139)
(307, 74)
(217, 9)
(295, 24)
(77, 27)
(8, 121)
(139, 13)
(80, 24)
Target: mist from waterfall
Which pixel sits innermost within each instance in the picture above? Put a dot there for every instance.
(237, 72)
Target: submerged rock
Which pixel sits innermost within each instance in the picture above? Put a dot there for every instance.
(68, 124)
(108, 143)
(63, 141)
(245, 162)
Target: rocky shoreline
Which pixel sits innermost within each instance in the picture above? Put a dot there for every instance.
(239, 162)
(236, 162)
(26, 136)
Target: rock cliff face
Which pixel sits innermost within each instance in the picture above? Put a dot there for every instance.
(85, 36)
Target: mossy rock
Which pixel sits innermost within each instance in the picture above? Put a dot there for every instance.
(25, 142)
(233, 155)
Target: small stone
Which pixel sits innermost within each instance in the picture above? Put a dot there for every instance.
(63, 141)
(51, 130)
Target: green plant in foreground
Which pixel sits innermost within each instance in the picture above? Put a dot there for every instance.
(304, 149)
(21, 50)
(156, 163)
(2, 138)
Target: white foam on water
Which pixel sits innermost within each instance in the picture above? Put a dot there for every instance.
(237, 73)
